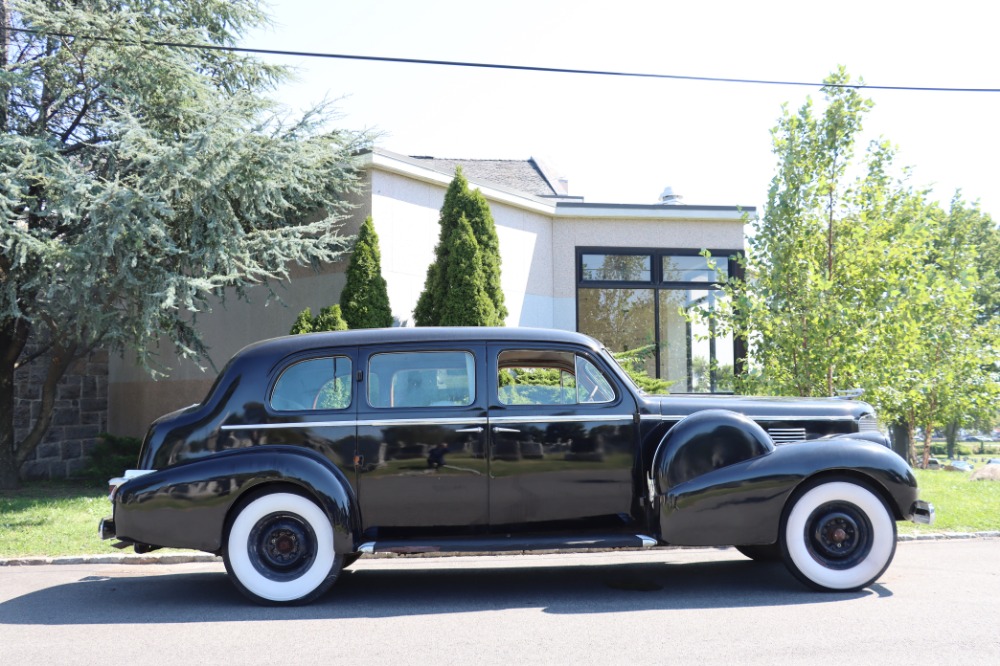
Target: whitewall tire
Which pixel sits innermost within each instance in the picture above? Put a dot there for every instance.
(838, 536)
(279, 550)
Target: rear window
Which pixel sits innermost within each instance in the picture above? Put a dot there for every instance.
(316, 384)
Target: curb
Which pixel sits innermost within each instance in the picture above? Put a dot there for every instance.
(188, 558)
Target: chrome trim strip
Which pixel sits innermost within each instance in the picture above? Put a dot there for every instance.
(576, 418)
(755, 417)
(475, 420)
(472, 420)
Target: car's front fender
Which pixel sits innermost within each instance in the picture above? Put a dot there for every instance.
(742, 504)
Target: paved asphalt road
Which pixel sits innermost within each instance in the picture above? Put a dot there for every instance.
(939, 603)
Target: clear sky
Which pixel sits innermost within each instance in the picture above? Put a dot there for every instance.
(624, 140)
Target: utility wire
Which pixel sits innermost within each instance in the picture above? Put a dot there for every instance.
(520, 68)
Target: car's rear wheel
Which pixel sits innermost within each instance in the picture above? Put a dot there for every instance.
(279, 550)
(838, 536)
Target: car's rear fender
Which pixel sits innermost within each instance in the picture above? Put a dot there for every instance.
(187, 505)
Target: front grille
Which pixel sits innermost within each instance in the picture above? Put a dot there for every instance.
(868, 423)
(785, 435)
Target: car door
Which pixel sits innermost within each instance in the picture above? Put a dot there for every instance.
(562, 436)
(422, 441)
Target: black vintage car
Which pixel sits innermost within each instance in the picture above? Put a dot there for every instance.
(312, 450)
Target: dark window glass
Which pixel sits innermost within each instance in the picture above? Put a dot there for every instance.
(692, 353)
(622, 319)
(421, 379)
(319, 383)
(539, 377)
(694, 269)
(616, 267)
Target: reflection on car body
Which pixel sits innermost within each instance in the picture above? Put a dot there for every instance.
(312, 450)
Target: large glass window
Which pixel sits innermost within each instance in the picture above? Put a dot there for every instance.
(541, 377)
(421, 379)
(645, 302)
(616, 267)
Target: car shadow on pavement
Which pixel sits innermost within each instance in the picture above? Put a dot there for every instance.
(120, 597)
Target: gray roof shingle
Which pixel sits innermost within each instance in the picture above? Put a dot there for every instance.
(519, 175)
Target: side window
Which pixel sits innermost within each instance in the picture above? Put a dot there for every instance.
(540, 377)
(422, 379)
(319, 383)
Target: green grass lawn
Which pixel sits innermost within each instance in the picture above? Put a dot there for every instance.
(54, 518)
(961, 505)
(51, 519)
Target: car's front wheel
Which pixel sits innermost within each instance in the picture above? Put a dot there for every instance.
(838, 536)
(279, 550)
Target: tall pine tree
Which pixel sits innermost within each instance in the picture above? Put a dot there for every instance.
(465, 302)
(460, 201)
(364, 301)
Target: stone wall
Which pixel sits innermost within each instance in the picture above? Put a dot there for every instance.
(80, 415)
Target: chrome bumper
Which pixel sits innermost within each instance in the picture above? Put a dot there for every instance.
(106, 530)
(922, 512)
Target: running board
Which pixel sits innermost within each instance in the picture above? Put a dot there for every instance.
(506, 544)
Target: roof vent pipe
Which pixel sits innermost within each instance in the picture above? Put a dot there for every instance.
(670, 198)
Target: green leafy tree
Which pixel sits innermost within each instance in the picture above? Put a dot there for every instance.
(328, 319)
(466, 302)
(855, 280)
(140, 183)
(460, 201)
(365, 298)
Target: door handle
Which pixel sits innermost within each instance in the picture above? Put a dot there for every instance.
(502, 429)
(473, 429)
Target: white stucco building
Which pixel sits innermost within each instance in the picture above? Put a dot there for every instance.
(621, 272)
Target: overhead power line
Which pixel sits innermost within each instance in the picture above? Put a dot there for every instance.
(520, 68)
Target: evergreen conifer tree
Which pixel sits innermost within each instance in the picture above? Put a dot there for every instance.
(303, 323)
(364, 301)
(460, 201)
(465, 302)
(328, 319)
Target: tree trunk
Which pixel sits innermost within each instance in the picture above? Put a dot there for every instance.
(928, 434)
(951, 434)
(13, 337)
(900, 436)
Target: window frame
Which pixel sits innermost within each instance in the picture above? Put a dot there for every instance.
(473, 380)
(728, 258)
(327, 356)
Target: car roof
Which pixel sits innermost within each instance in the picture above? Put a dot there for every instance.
(387, 336)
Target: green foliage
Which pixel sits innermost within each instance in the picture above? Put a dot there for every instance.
(465, 301)
(142, 183)
(111, 456)
(303, 323)
(365, 298)
(328, 319)
(633, 361)
(855, 279)
(461, 202)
